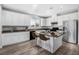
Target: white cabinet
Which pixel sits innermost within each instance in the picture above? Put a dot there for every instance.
(20, 20)
(51, 45)
(11, 38)
(27, 20)
(43, 22)
(57, 42)
(48, 22)
(7, 18)
(71, 16)
(14, 18)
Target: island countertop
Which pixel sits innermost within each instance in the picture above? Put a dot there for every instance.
(49, 34)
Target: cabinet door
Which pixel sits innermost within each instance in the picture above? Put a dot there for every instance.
(7, 18)
(57, 42)
(12, 38)
(20, 19)
(48, 21)
(70, 16)
(13, 18)
(27, 20)
(73, 16)
(3, 18)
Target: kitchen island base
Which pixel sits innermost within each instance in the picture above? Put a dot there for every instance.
(50, 45)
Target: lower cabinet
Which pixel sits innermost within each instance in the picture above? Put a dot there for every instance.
(50, 45)
(57, 43)
(11, 38)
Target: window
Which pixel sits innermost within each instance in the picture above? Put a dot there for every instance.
(35, 21)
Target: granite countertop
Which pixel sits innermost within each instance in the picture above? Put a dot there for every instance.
(48, 34)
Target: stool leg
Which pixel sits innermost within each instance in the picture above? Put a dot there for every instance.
(36, 40)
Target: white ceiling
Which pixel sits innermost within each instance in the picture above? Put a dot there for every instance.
(43, 9)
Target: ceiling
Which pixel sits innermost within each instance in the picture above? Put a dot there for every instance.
(43, 9)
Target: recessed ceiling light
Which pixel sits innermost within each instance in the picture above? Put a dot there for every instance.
(35, 6)
(51, 8)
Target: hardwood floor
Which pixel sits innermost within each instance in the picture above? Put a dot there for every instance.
(30, 48)
(68, 49)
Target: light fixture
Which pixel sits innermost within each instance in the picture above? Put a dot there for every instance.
(49, 11)
(51, 8)
(35, 6)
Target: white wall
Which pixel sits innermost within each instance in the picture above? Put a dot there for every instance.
(0, 27)
(78, 26)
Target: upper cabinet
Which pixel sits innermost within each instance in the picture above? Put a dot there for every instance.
(6, 18)
(71, 16)
(48, 22)
(27, 20)
(15, 19)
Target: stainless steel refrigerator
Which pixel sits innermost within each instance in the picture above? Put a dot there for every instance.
(70, 28)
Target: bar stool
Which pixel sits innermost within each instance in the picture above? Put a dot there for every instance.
(53, 34)
(35, 36)
(44, 38)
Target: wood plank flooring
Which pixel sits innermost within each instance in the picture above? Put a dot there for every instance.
(30, 48)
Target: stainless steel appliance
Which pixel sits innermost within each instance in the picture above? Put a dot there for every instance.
(71, 31)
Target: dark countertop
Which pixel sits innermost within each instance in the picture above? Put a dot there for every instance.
(48, 34)
(14, 31)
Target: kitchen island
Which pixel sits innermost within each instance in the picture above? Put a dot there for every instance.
(52, 44)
